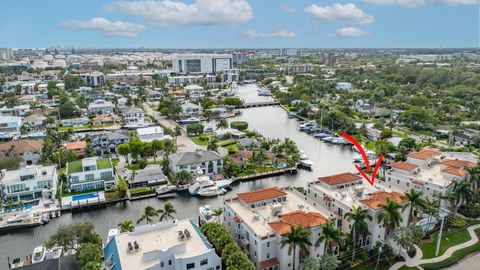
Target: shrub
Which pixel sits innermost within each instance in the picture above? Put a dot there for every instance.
(239, 125)
(195, 129)
(457, 222)
(141, 191)
(226, 247)
(203, 137)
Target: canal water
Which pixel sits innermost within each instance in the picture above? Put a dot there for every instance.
(269, 121)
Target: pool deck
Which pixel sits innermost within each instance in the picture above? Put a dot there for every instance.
(69, 203)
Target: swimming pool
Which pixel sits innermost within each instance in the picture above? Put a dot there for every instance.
(84, 196)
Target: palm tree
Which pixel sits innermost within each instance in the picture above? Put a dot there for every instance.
(167, 212)
(390, 216)
(463, 192)
(415, 202)
(297, 237)
(222, 123)
(474, 177)
(148, 213)
(10, 204)
(212, 145)
(359, 226)
(218, 213)
(177, 132)
(126, 226)
(329, 234)
(21, 205)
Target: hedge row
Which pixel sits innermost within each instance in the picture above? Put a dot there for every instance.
(455, 258)
(226, 247)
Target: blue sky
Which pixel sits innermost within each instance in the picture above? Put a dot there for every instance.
(239, 23)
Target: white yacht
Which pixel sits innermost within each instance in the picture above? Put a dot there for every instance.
(166, 189)
(304, 161)
(200, 183)
(264, 92)
(211, 191)
(359, 157)
(206, 214)
(53, 253)
(328, 139)
(339, 140)
(38, 254)
(19, 220)
(191, 120)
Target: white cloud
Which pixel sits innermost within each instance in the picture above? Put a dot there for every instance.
(117, 28)
(349, 32)
(403, 3)
(282, 33)
(420, 3)
(169, 13)
(287, 9)
(347, 13)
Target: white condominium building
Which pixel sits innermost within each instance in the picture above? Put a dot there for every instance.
(341, 192)
(201, 63)
(167, 245)
(259, 219)
(429, 171)
(29, 183)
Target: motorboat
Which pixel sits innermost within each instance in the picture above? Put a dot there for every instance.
(17, 263)
(303, 156)
(20, 220)
(306, 163)
(166, 189)
(53, 253)
(307, 126)
(370, 155)
(264, 92)
(339, 140)
(182, 187)
(206, 214)
(191, 120)
(322, 134)
(38, 254)
(211, 191)
(291, 115)
(200, 183)
(371, 162)
(328, 139)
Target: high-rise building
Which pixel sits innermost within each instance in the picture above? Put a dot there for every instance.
(201, 63)
(6, 53)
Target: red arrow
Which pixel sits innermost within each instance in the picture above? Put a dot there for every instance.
(365, 159)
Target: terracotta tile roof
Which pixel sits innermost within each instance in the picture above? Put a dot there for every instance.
(261, 194)
(458, 163)
(176, 92)
(75, 145)
(380, 197)
(341, 178)
(404, 166)
(21, 146)
(237, 219)
(425, 154)
(269, 263)
(455, 171)
(296, 218)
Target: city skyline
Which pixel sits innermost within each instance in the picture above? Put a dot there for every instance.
(241, 24)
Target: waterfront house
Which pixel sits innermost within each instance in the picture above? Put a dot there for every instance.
(133, 116)
(467, 136)
(20, 110)
(77, 147)
(91, 173)
(149, 134)
(341, 192)
(28, 150)
(35, 122)
(195, 92)
(101, 107)
(107, 142)
(10, 126)
(29, 183)
(167, 245)
(209, 162)
(74, 122)
(106, 119)
(191, 110)
(149, 176)
(259, 219)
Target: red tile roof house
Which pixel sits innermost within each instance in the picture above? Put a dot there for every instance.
(79, 147)
(259, 219)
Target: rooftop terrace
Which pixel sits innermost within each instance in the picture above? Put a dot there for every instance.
(77, 166)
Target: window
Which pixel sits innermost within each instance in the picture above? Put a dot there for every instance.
(190, 265)
(204, 262)
(169, 262)
(89, 177)
(255, 242)
(398, 181)
(161, 264)
(408, 184)
(106, 175)
(268, 255)
(217, 267)
(268, 244)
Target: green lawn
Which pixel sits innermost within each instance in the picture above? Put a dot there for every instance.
(72, 128)
(449, 239)
(103, 163)
(199, 142)
(427, 133)
(75, 166)
(370, 145)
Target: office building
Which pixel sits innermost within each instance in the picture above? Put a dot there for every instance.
(201, 63)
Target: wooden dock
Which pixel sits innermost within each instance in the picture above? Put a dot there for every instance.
(256, 176)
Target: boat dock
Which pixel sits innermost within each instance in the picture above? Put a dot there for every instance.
(256, 176)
